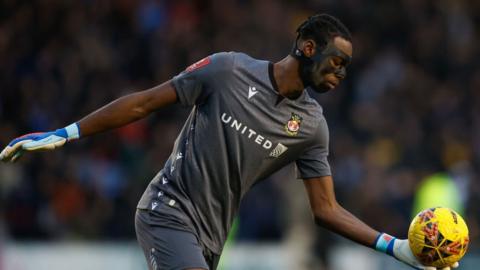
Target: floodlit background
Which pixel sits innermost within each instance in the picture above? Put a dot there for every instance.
(404, 126)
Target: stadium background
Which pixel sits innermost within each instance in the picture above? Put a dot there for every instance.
(409, 108)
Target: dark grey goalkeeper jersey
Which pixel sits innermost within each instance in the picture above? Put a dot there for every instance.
(239, 132)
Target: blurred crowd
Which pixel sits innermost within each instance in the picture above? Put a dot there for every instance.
(410, 106)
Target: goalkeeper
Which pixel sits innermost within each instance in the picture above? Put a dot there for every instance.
(249, 119)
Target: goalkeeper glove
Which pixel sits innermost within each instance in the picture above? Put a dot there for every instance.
(400, 250)
(39, 141)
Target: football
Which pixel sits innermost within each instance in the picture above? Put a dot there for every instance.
(438, 237)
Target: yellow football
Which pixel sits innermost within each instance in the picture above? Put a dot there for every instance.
(438, 237)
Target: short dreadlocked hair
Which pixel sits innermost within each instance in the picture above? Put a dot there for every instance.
(322, 28)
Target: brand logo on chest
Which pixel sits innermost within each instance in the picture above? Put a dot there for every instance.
(252, 91)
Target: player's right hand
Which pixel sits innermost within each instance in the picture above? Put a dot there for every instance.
(39, 141)
(403, 253)
(400, 250)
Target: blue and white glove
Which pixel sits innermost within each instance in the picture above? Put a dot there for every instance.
(39, 141)
(400, 250)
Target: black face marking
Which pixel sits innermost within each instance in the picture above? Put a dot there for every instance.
(331, 50)
(313, 69)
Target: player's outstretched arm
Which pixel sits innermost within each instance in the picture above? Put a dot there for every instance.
(127, 109)
(329, 214)
(120, 112)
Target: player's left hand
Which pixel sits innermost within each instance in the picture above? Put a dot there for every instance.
(403, 253)
(39, 141)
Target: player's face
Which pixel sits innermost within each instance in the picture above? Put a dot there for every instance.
(328, 73)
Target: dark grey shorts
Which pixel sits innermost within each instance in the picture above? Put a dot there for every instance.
(170, 249)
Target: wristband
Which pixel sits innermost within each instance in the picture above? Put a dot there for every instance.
(384, 243)
(73, 132)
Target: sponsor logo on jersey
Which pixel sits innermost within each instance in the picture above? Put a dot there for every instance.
(246, 131)
(293, 125)
(278, 150)
(252, 91)
(199, 64)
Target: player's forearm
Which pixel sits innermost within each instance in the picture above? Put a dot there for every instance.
(341, 221)
(127, 109)
(115, 114)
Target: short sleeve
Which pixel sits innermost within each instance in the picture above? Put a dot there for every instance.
(314, 160)
(194, 84)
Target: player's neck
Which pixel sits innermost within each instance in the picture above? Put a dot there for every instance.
(285, 73)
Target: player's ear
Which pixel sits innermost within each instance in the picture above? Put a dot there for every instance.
(309, 46)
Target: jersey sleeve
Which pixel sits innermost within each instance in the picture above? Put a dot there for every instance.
(314, 160)
(193, 85)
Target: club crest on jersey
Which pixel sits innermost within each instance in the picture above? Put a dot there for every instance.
(293, 125)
